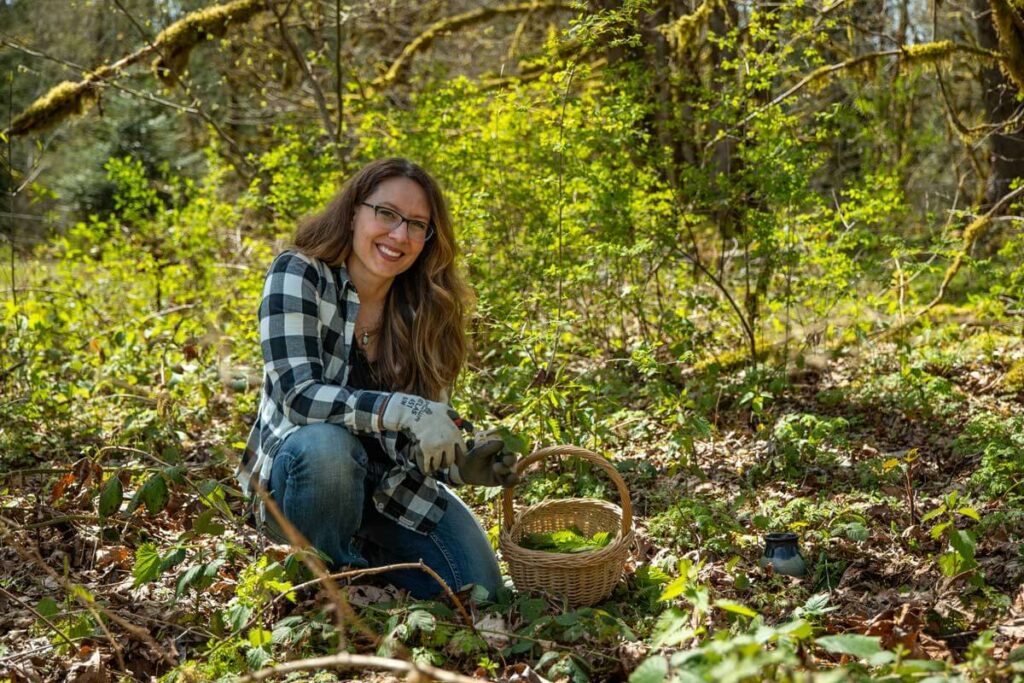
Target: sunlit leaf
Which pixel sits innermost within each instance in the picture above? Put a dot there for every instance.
(850, 644)
(147, 564)
(111, 497)
(652, 670)
(970, 512)
(259, 637)
(735, 608)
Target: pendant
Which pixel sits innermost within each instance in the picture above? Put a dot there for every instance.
(365, 339)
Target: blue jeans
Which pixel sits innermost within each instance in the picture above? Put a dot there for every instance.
(323, 482)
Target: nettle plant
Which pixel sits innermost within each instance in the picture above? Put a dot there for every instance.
(958, 560)
(801, 439)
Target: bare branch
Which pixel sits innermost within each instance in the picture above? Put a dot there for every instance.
(307, 71)
(107, 79)
(927, 52)
(171, 62)
(425, 39)
(311, 560)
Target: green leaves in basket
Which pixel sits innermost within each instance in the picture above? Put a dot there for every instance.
(571, 540)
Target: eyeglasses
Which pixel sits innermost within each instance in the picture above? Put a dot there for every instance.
(419, 231)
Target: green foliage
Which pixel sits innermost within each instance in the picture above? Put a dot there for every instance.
(959, 559)
(261, 581)
(111, 497)
(695, 522)
(802, 439)
(629, 233)
(146, 372)
(1000, 443)
(571, 540)
(914, 392)
(150, 563)
(295, 177)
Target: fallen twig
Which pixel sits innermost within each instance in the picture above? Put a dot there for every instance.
(347, 660)
(53, 627)
(355, 573)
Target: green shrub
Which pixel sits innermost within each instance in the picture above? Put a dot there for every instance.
(697, 523)
(800, 439)
(1000, 444)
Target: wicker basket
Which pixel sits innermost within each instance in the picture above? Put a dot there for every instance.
(583, 578)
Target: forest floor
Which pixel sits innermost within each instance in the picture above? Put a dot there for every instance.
(896, 464)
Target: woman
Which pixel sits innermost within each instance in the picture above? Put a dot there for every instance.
(361, 327)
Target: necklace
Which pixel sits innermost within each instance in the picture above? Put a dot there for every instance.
(365, 336)
(369, 331)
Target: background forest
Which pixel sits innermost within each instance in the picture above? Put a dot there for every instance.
(764, 256)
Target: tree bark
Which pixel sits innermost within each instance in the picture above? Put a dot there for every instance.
(1006, 144)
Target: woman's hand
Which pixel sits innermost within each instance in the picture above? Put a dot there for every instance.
(431, 427)
(487, 464)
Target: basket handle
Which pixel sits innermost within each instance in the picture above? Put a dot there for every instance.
(602, 462)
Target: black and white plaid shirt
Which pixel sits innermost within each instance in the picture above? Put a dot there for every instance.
(307, 323)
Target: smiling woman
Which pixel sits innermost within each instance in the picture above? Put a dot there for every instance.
(361, 328)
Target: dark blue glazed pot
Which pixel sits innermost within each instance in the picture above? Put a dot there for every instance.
(781, 551)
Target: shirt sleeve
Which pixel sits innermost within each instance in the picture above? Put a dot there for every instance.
(292, 343)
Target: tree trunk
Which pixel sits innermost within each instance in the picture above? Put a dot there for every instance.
(1006, 145)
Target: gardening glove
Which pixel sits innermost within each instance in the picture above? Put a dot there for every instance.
(487, 463)
(430, 424)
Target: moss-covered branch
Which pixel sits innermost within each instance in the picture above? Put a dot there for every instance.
(925, 53)
(174, 44)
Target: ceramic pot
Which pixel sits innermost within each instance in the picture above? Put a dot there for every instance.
(781, 551)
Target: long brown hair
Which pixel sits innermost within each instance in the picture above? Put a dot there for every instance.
(422, 343)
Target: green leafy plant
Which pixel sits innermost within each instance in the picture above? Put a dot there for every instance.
(959, 559)
(570, 540)
(800, 439)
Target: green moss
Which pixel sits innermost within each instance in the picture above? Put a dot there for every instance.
(1014, 379)
(1010, 43)
(929, 52)
(726, 361)
(682, 33)
(176, 42)
(64, 100)
(943, 312)
(988, 344)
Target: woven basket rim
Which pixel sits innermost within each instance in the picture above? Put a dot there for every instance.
(509, 536)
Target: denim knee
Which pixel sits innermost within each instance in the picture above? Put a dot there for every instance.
(328, 453)
(317, 479)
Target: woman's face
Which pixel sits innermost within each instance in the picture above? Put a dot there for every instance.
(378, 250)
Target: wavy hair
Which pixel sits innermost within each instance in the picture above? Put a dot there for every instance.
(422, 344)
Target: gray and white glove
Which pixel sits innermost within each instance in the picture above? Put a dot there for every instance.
(437, 441)
(487, 463)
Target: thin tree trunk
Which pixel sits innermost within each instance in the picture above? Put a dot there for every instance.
(1006, 145)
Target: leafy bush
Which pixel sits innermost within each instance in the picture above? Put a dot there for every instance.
(697, 523)
(1000, 444)
(801, 439)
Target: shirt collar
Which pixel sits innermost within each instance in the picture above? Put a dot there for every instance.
(343, 278)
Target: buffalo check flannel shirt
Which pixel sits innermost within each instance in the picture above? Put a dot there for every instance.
(307, 323)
